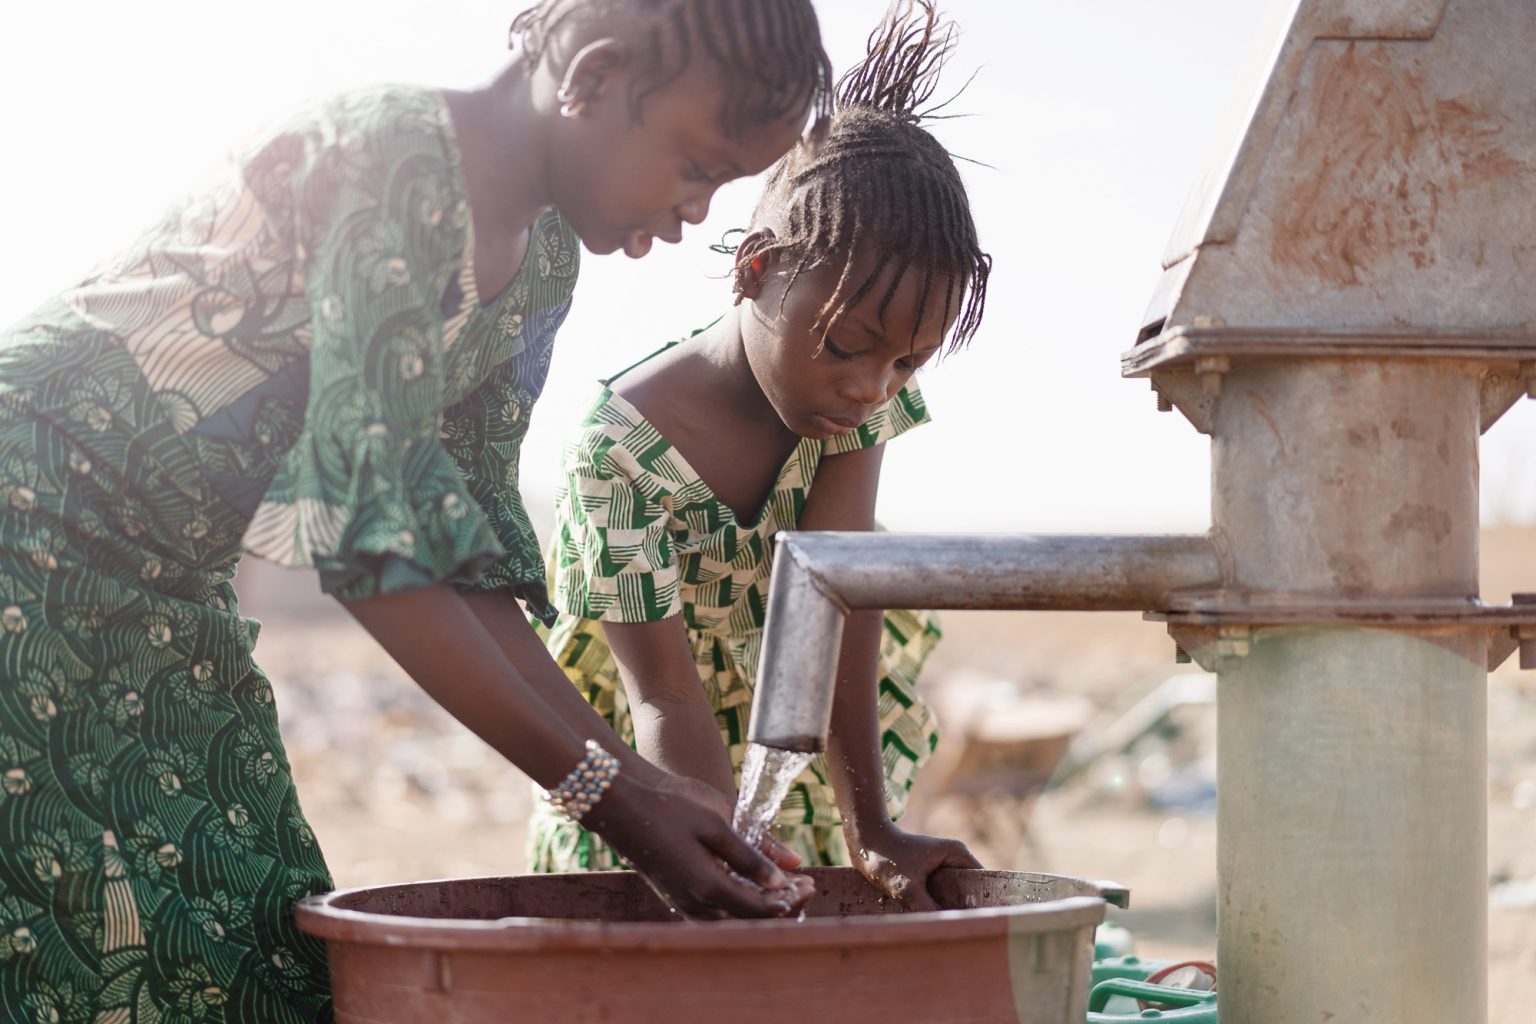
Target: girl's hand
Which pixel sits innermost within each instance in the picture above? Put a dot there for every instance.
(721, 804)
(900, 862)
(686, 852)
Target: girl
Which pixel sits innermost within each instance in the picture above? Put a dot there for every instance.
(328, 359)
(861, 265)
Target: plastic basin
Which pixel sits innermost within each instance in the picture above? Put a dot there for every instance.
(1010, 947)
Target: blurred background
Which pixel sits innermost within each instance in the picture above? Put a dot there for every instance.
(1087, 123)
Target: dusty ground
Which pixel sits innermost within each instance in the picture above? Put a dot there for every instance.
(397, 790)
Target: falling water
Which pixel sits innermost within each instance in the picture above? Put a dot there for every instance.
(766, 773)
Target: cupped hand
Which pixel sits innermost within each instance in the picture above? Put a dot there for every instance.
(723, 805)
(901, 862)
(687, 852)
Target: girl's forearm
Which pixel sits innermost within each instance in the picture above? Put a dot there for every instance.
(440, 642)
(679, 733)
(501, 615)
(854, 762)
(675, 725)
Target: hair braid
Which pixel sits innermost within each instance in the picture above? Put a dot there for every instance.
(877, 182)
(768, 51)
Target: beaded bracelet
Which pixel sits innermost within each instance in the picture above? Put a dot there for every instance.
(587, 783)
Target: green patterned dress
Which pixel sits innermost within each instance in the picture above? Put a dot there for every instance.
(295, 363)
(639, 538)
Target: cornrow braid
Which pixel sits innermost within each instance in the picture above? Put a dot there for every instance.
(769, 51)
(876, 181)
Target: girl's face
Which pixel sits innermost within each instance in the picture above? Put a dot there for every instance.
(622, 184)
(822, 389)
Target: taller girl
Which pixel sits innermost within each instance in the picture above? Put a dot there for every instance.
(328, 358)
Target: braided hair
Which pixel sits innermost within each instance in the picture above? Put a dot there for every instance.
(875, 181)
(770, 51)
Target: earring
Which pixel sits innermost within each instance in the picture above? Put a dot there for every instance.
(570, 106)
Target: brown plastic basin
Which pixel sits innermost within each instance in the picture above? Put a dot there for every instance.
(1010, 947)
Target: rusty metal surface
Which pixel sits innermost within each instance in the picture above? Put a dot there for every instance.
(1382, 181)
(1345, 485)
(1220, 196)
(1506, 359)
(1276, 610)
(1209, 641)
(1349, 478)
(1343, 316)
(1185, 344)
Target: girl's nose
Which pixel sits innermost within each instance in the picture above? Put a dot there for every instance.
(869, 389)
(693, 211)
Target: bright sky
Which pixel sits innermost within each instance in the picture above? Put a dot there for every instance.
(1097, 115)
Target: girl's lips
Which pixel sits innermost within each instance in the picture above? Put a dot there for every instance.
(637, 244)
(833, 426)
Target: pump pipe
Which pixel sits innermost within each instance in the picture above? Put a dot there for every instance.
(819, 577)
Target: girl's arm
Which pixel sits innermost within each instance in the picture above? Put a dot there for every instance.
(677, 843)
(501, 615)
(675, 726)
(675, 732)
(843, 498)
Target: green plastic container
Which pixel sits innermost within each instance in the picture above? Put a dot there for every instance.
(1186, 1006)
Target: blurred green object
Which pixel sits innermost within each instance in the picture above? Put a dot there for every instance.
(1118, 982)
(1132, 967)
(1185, 1006)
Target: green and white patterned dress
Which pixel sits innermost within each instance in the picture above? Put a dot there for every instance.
(294, 362)
(640, 537)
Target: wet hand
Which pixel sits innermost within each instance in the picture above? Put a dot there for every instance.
(723, 805)
(901, 862)
(687, 852)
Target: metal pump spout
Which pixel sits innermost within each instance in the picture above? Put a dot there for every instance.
(819, 577)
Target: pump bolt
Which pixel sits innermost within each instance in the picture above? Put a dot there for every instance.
(1232, 647)
(1233, 641)
(1180, 655)
(1164, 403)
(1210, 369)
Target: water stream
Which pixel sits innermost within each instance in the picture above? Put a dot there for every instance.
(766, 773)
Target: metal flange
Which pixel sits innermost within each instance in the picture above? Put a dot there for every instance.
(1209, 628)
(1187, 362)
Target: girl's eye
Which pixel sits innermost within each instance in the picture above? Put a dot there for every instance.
(835, 352)
(697, 173)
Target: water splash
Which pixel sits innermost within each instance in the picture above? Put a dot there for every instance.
(766, 774)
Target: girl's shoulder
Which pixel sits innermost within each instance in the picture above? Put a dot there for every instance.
(611, 424)
(371, 134)
(345, 117)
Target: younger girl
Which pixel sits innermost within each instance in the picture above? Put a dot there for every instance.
(328, 358)
(861, 265)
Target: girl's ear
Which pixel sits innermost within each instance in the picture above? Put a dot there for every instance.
(755, 259)
(589, 74)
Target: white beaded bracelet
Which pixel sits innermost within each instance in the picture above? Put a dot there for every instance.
(587, 783)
